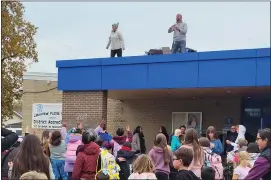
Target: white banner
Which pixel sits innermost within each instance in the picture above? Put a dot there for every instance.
(47, 116)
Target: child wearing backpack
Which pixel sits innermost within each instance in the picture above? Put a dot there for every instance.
(211, 159)
(108, 161)
(125, 158)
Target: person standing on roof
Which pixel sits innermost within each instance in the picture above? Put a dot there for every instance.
(179, 35)
(116, 41)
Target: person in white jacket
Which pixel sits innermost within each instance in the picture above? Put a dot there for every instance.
(241, 130)
(116, 41)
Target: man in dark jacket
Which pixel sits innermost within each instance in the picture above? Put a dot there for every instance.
(9, 139)
(231, 136)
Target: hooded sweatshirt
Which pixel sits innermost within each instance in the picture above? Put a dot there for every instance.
(157, 156)
(73, 142)
(186, 175)
(86, 163)
(241, 135)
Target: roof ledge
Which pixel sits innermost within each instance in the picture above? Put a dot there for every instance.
(40, 76)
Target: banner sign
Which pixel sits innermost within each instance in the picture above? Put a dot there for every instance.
(47, 116)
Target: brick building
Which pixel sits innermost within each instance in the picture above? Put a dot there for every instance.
(38, 88)
(148, 90)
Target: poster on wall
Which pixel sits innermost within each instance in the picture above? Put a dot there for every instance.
(189, 119)
(194, 120)
(47, 116)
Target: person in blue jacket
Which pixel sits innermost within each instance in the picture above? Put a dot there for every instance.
(215, 143)
(175, 142)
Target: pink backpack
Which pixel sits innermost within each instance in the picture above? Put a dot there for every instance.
(214, 160)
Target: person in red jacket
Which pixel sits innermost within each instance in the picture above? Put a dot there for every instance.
(86, 164)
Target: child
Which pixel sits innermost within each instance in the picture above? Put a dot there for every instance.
(207, 173)
(211, 159)
(125, 157)
(108, 161)
(182, 160)
(241, 171)
(33, 175)
(215, 143)
(143, 168)
(253, 151)
(103, 175)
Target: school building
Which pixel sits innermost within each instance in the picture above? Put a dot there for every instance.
(216, 88)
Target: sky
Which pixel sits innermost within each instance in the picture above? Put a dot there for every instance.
(76, 30)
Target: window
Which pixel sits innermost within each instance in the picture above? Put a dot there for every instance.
(252, 112)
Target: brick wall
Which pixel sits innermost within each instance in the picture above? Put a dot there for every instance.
(29, 97)
(151, 114)
(88, 107)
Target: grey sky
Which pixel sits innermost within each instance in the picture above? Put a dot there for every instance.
(72, 30)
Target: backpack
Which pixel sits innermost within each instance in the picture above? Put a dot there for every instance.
(214, 161)
(117, 147)
(108, 162)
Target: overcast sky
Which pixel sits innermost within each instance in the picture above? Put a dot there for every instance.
(72, 30)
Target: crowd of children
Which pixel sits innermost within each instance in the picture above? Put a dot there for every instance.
(95, 154)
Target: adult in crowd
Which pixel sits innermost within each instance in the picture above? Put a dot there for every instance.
(261, 168)
(58, 149)
(182, 128)
(215, 143)
(31, 158)
(163, 130)
(116, 41)
(74, 140)
(138, 141)
(87, 159)
(121, 138)
(241, 130)
(162, 157)
(64, 130)
(45, 142)
(191, 141)
(9, 139)
(179, 35)
(175, 142)
(231, 136)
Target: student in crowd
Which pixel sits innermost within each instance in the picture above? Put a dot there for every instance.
(125, 158)
(253, 151)
(58, 149)
(215, 143)
(208, 173)
(30, 158)
(244, 166)
(104, 135)
(33, 175)
(211, 159)
(183, 158)
(116, 41)
(261, 168)
(163, 130)
(242, 145)
(231, 136)
(143, 168)
(175, 142)
(138, 142)
(9, 139)
(241, 130)
(64, 131)
(121, 138)
(74, 140)
(108, 161)
(86, 164)
(45, 142)
(179, 36)
(191, 141)
(162, 157)
(182, 128)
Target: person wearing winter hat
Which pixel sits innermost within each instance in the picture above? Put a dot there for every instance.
(116, 41)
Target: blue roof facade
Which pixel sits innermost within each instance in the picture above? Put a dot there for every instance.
(231, 68)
